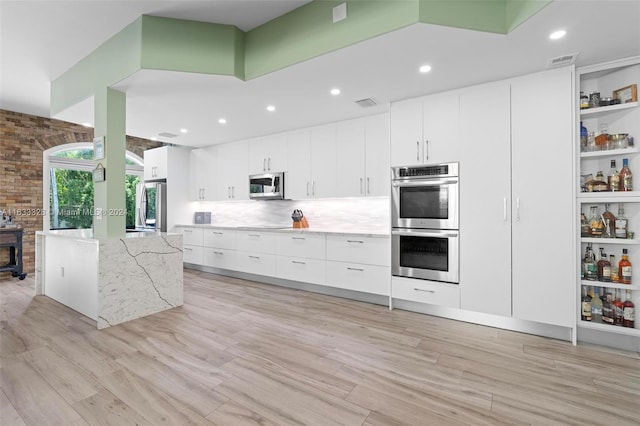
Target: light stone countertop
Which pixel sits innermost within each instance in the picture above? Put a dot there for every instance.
(288, 229)
(87, 234)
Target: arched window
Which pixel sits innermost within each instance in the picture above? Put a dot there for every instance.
(68, 186)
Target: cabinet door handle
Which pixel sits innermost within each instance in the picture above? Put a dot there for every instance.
(254, 257)
(504, 209)
(298, 262)
(355, 269)
(233, 192)
(355, 241)
(426, 150)
(418, 153)
(361, 185)
(218, 233)
(218, 252)
(188, 249)
(264, 166)
(269, 163)
(254, 235)
(308, 191)
(423, 290)
(517, 208)
(368, 185)
(313, 188)
(298, 238)
(189, 230)
(228, 192)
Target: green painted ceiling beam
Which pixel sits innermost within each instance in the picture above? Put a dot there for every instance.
(152, 42)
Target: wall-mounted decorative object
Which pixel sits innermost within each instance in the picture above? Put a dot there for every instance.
(98, 148)
(627, 94)
(99, 173)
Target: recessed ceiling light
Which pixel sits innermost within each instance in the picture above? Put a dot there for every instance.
(271, 108)
(87, 124)
(183, 130)
(335, 92)
(557, 34)
(424, 68)
(153, 138)
(222, 120)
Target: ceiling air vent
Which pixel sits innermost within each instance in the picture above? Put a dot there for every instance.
(366, 102)
(167, 135)
(560, 61)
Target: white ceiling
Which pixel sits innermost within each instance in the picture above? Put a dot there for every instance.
(384, 68)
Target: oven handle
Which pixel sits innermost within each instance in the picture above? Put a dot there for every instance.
(426, 182)
(421, 233)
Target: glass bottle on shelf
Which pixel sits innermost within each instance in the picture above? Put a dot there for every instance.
(596, 227)
(609, 221)
(628, 311)
(625, 176)
(591, 141)
(596, 305)
(613, 177)
(607, 310)
(624, 268)
(584, 225)
(604, 268)
(585, 311)
(621, 223)
(584, 101)
(590, 266)
(617, 309)
(614, 269)
(584, 137)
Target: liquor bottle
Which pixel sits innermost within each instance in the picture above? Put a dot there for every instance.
(628, 311)
(584, 137)
(617, 309)
(621, 223)
(586, 305)
(596, 305)
(614, 270)
(591, 141)
(590, 266)
(624, 268)
(613, 177)
(584, 225)
(607, 310)
(609, 221)
(596, 227)
(604, 268)
(625, 176)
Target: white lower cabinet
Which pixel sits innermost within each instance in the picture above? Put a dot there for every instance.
(356, 249)
(301, 269)
(358, 277)
(256, 263)
(431, 292)
(219, 258)
(302, 245)
(192, 254)
(256, 241)
(190, 236)
(219, 238)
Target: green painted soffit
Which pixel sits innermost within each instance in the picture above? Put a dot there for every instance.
(152, 42)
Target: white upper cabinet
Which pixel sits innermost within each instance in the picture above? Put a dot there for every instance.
(155, 163)
(298, 177)
(350, 158)
(268, 154)
(323, 162)
(202, 174)
(425, 130)
(485, 199)
(376, 134)
(232, 173)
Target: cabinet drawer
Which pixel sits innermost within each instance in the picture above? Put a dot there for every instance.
(302, 245)
(219, 258)
(301, 269)
(426, 292)
(220, 238)
(256, 242)
(366, 250)
(359, 277)
(256, 263)
(192, 254)
(190, 236)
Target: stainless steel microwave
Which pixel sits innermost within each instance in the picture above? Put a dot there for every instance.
(268, 186)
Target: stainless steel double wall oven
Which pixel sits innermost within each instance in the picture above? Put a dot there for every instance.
(424, 221)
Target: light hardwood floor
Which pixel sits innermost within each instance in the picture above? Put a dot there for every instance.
(242, 353)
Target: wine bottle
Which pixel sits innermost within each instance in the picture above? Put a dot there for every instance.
(625, 177)
(628, 311)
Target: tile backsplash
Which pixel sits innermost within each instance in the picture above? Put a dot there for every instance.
(362, 214)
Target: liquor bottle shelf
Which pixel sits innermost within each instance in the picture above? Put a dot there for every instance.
(606, 109)
(610, 285)
(610, 328)
(610, 153)
(609, 197)
(622, 241)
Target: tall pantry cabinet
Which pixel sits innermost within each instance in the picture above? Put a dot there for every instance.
(516, 190)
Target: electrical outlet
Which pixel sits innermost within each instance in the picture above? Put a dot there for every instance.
(340, 12)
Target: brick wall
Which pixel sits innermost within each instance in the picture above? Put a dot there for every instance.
(23, 138)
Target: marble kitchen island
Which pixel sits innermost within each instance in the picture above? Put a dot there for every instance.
(111, 280)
